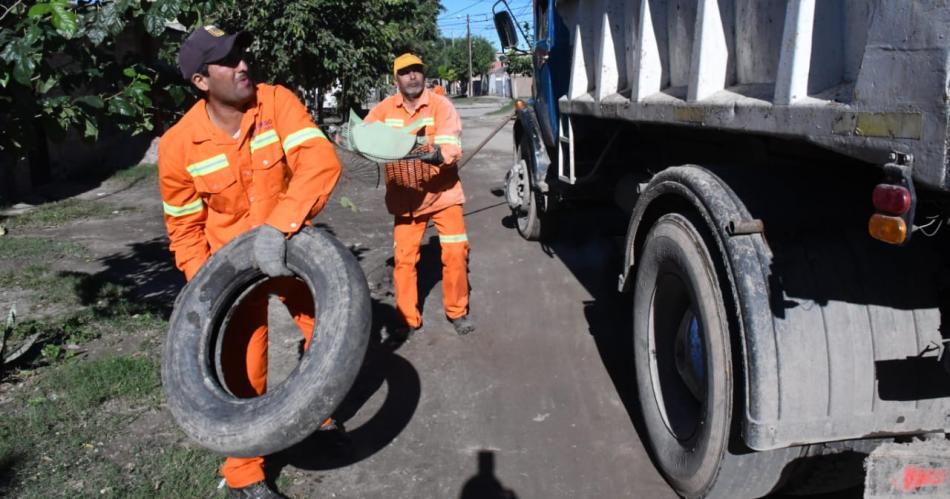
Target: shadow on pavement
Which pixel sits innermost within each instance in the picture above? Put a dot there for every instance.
(331, 450)
(484, 484)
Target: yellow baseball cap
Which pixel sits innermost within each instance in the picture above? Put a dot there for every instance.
(406, 60)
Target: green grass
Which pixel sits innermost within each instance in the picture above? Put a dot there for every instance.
(506, 109)
(137, 173)
(94, 309)
(60, 213)
(49, 287)
(21, 248)
(55, 440)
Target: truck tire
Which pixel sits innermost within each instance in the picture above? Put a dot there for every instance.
(685, 371)
(287, 414)
(521, 195)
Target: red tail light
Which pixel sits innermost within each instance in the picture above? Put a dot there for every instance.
(891, 199)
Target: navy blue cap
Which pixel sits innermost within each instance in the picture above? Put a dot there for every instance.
(206, 45)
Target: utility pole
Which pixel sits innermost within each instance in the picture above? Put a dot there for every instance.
(468, 30)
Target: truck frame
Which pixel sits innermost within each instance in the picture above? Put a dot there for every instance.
(784, 164)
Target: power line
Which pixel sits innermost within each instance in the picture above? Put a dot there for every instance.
(463, 9)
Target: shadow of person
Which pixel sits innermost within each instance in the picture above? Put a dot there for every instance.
(326, 450)
(485, 485)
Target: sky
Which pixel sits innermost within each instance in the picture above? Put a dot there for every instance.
(452, 19)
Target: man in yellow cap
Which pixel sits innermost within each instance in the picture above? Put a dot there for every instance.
(426, 189)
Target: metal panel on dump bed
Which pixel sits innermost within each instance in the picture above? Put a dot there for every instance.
(845, 348)
(860, 77)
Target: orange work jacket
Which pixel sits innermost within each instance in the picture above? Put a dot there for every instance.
(279, 171)
(435, 118)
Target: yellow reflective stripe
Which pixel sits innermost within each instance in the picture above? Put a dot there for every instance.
(180, 211)
(300, 136)
(265, 139)
(448, 139)
(456, 238)
(393, 122)
(421, 122)
(207, 166)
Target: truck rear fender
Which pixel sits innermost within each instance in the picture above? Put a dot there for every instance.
(527, 125)
(738, 238)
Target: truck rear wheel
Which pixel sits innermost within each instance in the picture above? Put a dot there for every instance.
(521, 195)
(684, 367)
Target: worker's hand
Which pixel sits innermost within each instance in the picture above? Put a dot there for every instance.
(270, 251)
(433, 157)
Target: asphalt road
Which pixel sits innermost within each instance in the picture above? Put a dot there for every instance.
(536, 403)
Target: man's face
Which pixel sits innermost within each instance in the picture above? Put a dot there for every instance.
(228, 80)
(410, 81)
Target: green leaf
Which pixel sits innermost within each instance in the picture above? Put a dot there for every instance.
(96, 35)
(110, 19)
(5, 79)
(347, 203)
(65, 21)
(32, 35)
(93, 101)
(91, 131)
(39, 10)
(45, 86)
(155, 21)
(129, 71)
(23, 70)
(140, 86)
(177, 94)
(120, 106)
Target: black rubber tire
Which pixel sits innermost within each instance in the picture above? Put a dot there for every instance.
(692, 440)
(528, 218)
(290, 412)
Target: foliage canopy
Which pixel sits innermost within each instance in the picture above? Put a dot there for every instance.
(84, 65)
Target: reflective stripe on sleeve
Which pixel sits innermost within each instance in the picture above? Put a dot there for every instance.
(300, 136)
(207, 166)
(394, 122)
(448, 139)
(265, 139)
(180, 211)
(453, 238)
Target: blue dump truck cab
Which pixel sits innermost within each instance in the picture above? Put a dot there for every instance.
(783, 167)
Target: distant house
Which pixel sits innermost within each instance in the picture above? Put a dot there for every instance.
(498, 82)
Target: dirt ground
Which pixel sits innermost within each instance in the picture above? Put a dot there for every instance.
(535, 404)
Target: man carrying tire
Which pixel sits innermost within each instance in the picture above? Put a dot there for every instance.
(424, 189)
(245, 155)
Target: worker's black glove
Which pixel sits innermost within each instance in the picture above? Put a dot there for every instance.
(270, 251)
(433, 157)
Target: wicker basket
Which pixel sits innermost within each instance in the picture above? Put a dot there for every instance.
(411, 173)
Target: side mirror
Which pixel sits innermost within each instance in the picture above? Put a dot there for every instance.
(506, 30)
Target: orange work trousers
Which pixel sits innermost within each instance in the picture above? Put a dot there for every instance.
(244, 356)
(407, 237)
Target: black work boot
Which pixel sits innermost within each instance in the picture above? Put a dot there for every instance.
(463, 325)
(402, 333)
(257, 490)
(336, 439)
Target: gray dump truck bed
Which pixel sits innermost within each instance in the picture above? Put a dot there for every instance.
(861, 77)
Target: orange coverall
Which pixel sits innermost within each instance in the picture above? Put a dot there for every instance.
(416, 192)
(279, 171)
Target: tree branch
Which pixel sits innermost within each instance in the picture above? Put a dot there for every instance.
(8, 9)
